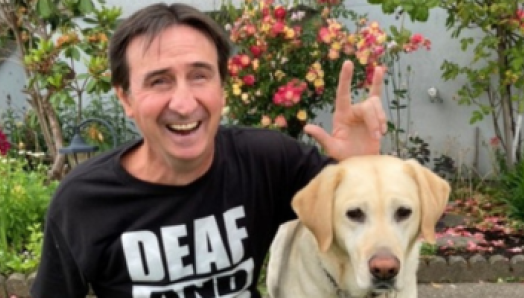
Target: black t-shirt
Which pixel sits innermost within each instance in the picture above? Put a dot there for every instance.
(130, 238)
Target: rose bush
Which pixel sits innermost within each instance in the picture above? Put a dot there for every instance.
(287, 60)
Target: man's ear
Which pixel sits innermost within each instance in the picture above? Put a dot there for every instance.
(125, 99)
(314, 203)
(433, 194)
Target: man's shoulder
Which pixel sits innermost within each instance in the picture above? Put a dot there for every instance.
(101, 162)
(264, 144)
(91, 172)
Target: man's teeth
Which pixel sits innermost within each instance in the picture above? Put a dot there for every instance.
(184, 127)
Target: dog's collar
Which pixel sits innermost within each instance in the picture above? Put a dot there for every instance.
(343, 293)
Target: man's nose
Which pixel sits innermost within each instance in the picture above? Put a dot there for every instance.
(183, 100)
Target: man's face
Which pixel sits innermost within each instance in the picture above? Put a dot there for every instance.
(175, 95)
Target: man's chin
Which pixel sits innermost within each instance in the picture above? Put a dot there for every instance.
(196, 153)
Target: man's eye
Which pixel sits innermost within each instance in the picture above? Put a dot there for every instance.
(159, 81)
(200, 76)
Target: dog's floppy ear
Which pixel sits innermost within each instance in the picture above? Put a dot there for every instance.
(313, 205)
(434, 195)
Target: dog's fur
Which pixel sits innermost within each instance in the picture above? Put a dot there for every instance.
(347, 215)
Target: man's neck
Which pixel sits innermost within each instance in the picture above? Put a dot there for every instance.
(145, 165)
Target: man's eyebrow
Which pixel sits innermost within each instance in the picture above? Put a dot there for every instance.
(156, 72)
(161, 71)
(201, 64)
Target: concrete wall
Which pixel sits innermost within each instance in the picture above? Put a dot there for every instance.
(444, 125)
(12, 81)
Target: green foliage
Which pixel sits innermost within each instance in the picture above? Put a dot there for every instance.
(22, 127)
(28, 260)
(512, 190)
(418, 10)
(87, 45)
(495, 68)
(262, 279)
(427, 249)
(24, 196)
(55, 37)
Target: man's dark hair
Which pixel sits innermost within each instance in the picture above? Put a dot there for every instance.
(153, 20)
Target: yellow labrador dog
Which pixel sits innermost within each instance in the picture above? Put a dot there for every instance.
(358, 231)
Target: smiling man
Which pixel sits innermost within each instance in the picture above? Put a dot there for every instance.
(190, 209)
(175, 97)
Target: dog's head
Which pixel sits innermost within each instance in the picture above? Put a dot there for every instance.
(372, 210)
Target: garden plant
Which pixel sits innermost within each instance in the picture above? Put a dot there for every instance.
(495, 68)
(25, 193)
(63, 51)
(285, 51)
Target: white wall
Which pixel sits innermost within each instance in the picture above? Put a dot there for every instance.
(12, 81)
(445, 126)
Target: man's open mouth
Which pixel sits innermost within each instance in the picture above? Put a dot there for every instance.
(185, 128)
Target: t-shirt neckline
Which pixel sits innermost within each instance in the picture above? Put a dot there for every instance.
(128, 179)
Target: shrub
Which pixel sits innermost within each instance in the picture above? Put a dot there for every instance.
(25, 194)
(277, 74)
(512, 190)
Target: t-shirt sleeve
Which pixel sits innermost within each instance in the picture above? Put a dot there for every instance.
(58, 274)
(305, 162)
(302, 162)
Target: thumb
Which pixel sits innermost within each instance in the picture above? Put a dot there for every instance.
(317, 133)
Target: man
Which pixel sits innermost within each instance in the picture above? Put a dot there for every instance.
(190, 209)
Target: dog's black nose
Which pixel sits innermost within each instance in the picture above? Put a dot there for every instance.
(384, 266)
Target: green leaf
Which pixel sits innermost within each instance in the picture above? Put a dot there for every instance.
(465, 42)
(106, 79)
(83, 76)
(90, 21)
(55, 98)
(475, 117)
(72, 52)
(421, 14)
(91, 86)
(389, 7)
(68, 100)
(408, 6)
(394, 30)
(45, 8)
(86, 6)
(75, 53)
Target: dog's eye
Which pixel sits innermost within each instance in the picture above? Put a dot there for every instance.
(356, 215)
(402, 213)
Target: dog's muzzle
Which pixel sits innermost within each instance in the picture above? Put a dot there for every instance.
(384, 268)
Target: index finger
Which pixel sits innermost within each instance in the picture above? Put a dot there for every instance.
(378, 80)
(343, 97)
